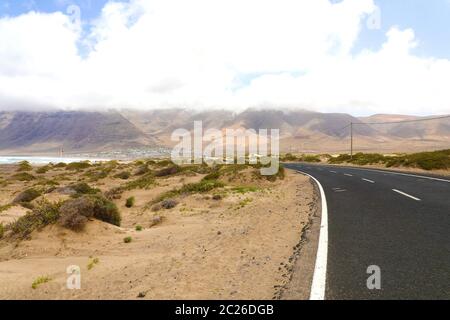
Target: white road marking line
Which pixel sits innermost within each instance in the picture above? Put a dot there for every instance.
(333, 171)
(403, 174)
(348, 175)
(320, 271)
(368, 180)
(406, 195)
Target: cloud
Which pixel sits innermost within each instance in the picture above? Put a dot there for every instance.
(213, 54)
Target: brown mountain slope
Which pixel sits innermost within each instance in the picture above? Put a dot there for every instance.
(300, 130)
(34, 132)
(435, 129)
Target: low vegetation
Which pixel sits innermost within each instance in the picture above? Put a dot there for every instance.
(75, 213)
(40, 280)
(169, 204)
(435, 160)
(301, 158)
(124, 175)
(127, 239)
(143, 182)
(141, 170)
(43, 170)
(5, 207)
(92, 263)
(77, 166)
(129, 203)
(432, 160)
(245, 189)
(23, 176)
(24, 166)
(44, 214)
(27, 195)
(168, 171)
(72, 214)
(82, 188)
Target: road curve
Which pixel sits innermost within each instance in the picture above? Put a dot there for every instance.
(400, 223)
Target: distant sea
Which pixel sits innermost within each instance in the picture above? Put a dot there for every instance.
(43, 160)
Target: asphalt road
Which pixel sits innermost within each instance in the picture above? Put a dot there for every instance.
(406, 233)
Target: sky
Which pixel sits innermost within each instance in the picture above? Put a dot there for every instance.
(356, 56)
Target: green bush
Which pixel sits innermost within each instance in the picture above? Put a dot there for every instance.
(46, 213)
(127, 239)
(5, 207)
(212, 176)
(130, 202)
(98, 173)
(163, 163)
(124, 175)
(78, 166)
(141, 170)
(24, 166)
(76, 212)
(47, 182)
(422, 160)
(143, 182)
(27, 195)
(2, 230)
(23, 176)
(106, 211)
(83, 188)
(41, 280)
(42, 170)
(310, 158)
(200, 169)
(60, 165)
(289, 157)
(92, 263)
(167, 171)
(139, 228)
(244, 189)
(200, 187)
(114, 193)
(437, 160)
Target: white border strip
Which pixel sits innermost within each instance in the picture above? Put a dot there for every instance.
(406, 195)
(320, 271)
(397, 173)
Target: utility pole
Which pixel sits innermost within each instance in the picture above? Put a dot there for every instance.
(351, 140)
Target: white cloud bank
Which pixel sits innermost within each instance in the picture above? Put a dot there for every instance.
(210, 53)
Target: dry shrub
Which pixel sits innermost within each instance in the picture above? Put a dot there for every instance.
(168, 171)
(27, 196)
(76, 212)
(169, 204)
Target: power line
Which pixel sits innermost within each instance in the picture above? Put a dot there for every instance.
(391, 122)
(404, 121)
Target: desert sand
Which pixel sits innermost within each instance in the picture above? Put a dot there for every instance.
(238, 247)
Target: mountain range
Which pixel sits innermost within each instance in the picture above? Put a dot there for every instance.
(23, 133)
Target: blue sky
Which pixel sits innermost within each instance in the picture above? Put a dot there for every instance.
(90, 8)
(430, 19)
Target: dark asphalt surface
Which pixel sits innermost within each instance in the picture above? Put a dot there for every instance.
(370, 224)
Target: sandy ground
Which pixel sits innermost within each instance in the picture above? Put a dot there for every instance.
(240, 247)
